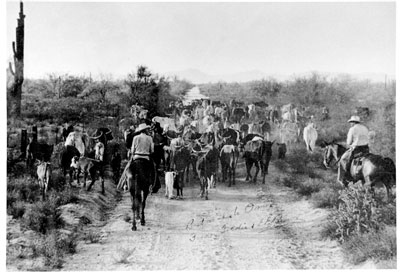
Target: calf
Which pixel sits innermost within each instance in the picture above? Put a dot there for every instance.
(43, 173)
(88, 166)
(169, 184)
(281, 150)
(116, 166)
(229, 155)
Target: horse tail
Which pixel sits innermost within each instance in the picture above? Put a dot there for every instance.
(390, 167)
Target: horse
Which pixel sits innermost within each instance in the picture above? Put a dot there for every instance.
(140, 177)
(373, 168)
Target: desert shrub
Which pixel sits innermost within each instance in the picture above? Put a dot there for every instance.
(309, 186)
(92, 237)
(22, 189)
(281, 165)
(287, 180)
(325, 198)
(53, 247)
(42, 216)
(379, 245)
(359, 213)
(16, 209)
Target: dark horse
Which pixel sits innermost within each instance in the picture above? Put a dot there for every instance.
(257, 152)
(140, 176)
(371, 170)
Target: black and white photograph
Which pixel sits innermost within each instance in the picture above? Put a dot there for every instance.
(215, 136)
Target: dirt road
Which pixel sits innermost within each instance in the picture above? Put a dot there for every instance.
(243, 227)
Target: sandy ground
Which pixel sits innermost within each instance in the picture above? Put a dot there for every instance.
(248, 226)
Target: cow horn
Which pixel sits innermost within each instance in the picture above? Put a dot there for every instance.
(109, 132)
(97, 136)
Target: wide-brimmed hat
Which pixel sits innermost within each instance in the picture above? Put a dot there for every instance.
(142, 127)
(354, 119)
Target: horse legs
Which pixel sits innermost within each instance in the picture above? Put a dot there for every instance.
(133, 200)
(145, 194)
(249, 164)
(257, 170)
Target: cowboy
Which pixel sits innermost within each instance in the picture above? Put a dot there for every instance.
(142, 144)
(142, 148)
(357, 140)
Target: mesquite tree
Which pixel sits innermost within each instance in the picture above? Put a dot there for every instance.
(18, 73)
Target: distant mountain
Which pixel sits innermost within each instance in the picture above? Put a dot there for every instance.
(198, 77)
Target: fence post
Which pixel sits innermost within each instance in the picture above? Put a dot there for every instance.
(34, 133)
(24, 142)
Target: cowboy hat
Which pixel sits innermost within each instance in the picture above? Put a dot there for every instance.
(354, 119)
(142, 127)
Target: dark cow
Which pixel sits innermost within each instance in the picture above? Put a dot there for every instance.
(258, 152)
(229, 156)
(104, 134)
(261, 104)
(116, 166)
(66, 156)
(38, 151)
(66, 132)
(181, 162)
(246, 139)
(231, 136)
(281, 150)
(238, 113)
(207, 167)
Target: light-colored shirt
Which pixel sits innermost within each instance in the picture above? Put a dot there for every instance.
(142, 144)
(99, 151)
(357, 135)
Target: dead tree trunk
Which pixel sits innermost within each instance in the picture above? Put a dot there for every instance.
(18, 74)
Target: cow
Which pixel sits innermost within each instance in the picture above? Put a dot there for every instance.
(229, 155)
(310, 136)
(289, 132)
(207, 167)
(65, 158)
(252, 113)
(281, 150)
(231, 136)
(257, 152)
(38, 151)
(248, 138)
(116, 166)
(169, 184)
(238, 114)
(88, 166)
(66, 132)
(43, 173)
(165, 123)
(180, 165)
(79, 141)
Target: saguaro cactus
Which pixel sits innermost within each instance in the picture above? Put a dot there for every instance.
(18, 74)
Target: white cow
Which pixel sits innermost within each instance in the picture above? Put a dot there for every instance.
(43, 174)
(310, 136)
(78, 140)
(169, 184)
(166, 123)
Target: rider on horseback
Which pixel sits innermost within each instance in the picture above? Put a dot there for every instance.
(357, 140)
(142, 147)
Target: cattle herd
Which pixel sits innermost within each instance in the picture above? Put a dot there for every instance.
(203, 136)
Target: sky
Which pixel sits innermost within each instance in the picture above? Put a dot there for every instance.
(109, 38)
